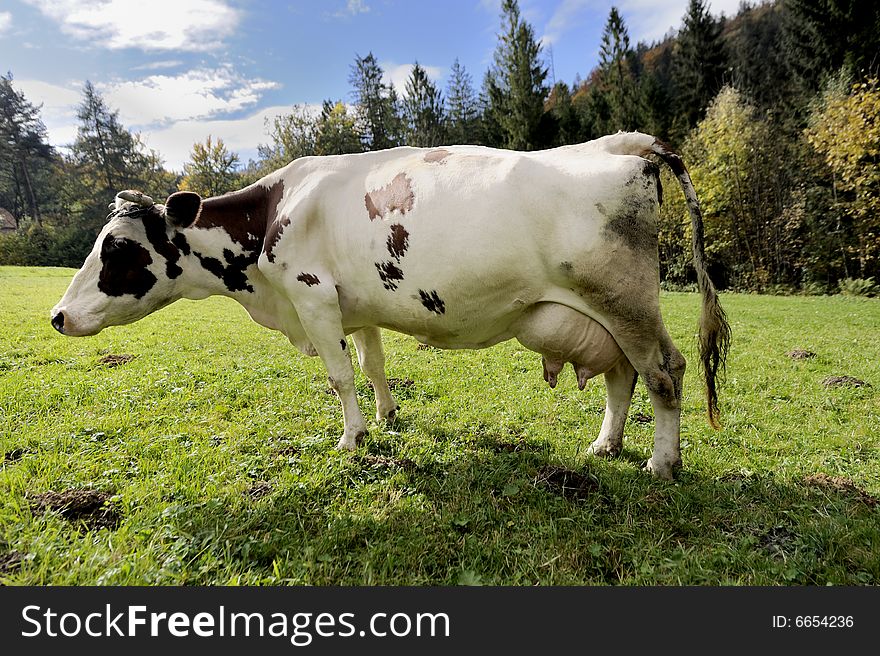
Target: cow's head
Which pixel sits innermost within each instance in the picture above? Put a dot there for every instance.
(133, 267)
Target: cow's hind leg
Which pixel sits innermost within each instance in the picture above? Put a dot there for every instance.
(368, 342)
(620, 382)
(661, 367)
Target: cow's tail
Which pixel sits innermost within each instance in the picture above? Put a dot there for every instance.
(714, 328)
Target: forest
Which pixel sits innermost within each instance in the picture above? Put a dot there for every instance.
(776, 112)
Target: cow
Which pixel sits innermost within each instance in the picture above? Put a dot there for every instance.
(457, 246)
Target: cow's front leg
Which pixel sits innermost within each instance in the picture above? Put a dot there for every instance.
(368, 342)
(321, 318)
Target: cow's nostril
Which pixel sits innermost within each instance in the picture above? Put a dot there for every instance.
(58, 322)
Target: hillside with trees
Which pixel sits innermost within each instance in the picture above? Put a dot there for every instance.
(776, 111)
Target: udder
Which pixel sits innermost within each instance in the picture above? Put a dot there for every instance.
(561, 334)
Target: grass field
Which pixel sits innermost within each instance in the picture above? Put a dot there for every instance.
(208, 458)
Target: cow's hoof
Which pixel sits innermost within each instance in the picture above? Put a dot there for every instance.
(390, 416)
(605, 449)
(351, 443)
(664, 470)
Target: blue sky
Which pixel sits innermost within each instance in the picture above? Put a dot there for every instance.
(179, 70)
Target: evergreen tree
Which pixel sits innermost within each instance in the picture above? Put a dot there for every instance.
(337, 132)
(378, 112)
(566, 126)
(699, 62)
(25, 155)
(462, 108)
(211, 170)
(515, 85)
(422, 110)
(618, 80)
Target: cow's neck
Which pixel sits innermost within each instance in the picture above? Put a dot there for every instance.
(223, 246)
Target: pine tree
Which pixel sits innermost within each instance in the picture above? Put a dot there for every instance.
(462, 107)
(699, 62)
(378, 112)
(211, 170)
(618, 80)
(515, 85)
(422, 110)
(24, 152)
(337, 132)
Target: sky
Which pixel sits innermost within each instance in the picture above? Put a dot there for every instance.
(180, 70)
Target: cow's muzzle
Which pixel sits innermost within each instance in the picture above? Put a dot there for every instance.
(58, 322)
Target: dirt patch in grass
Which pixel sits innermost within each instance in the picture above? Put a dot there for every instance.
(844, 381)
(9, 561)
(841, 485)
(14, 455)
(567, 483)
(385, 462)
(90, 507)
(288, 451)
(641, 418)
(116, 360)
(258, 490)
(801, 354)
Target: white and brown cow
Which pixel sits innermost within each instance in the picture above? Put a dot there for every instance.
(460, 247)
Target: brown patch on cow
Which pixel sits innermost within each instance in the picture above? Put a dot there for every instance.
(258, 490)
(9, 561)
(90, 507)
(634, 223)
(244, 215)
(432, 301)
(273, 234)
(567, 483)
(398, 241)
(116, 360)
(390, 274)
(801, 354)
(436, 155)
(841, 485)
(396, 196)
(154, 226)
(310, 279)
(124, 269)
(844, 381)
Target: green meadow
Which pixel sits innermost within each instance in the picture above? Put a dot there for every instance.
(195, 447)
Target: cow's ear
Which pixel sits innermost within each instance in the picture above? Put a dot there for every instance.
(182, 208)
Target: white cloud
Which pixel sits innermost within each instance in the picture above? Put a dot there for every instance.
(5, 20)
(58, 110)
(564, 18)
(242, 136)
(650, 20)
(158, 65)
(196, 94)
(397, 75)
(353, 8)
(183, 25)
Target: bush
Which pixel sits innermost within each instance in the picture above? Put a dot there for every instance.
(858, 287)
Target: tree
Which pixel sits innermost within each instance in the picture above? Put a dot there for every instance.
(377, 105)
(559, 105)
(337, 132)
(699, 62)
(515, 84)
(211, 170)
(25, 154)
(423, 117)
(617, 76)
(845, 130)
(292, 136)
(462, 107)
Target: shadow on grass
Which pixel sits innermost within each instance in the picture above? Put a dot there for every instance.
(507, 512)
